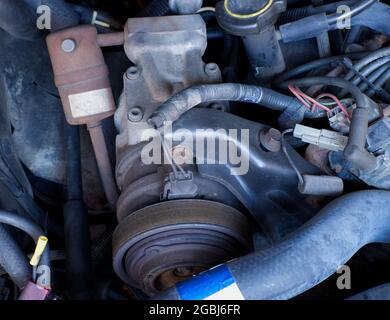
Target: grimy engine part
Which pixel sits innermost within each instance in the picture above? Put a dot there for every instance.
(81, 76)
(254, 21)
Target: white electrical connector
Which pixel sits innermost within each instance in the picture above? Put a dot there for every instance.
(325, 139)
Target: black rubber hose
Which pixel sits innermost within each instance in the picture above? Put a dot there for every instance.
(370, 68)
(378, 54)
(374, 76)
(380, 82)
(76, 229)
(316, 64)
(156, 8)
(62, 13)
(18, 19)
(13, 260)
(306, 257)
(29, 227)
(355, 151)
(302, 12)
(193, 96)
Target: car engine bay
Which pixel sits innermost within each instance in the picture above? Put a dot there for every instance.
(193, 150)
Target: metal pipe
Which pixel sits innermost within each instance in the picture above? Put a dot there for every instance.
(103, 162)
(111, 39)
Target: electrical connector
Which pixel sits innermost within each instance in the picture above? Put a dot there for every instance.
(40, 247)
(323, 138)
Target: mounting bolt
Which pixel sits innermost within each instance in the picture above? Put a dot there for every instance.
(135, 114)
(271, 140)
(68, 45)
(132, 73)
(212, 69)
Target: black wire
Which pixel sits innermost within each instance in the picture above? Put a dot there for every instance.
(289, 159)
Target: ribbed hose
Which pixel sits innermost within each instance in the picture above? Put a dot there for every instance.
(13, 260)
(193, 96)
(312, 253)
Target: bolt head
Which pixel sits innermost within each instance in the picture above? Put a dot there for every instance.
(135, 114)
(68, 45)
(271, 140)
(132, 73)
(212, 69)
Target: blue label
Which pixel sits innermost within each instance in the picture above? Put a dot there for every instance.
(205, 284)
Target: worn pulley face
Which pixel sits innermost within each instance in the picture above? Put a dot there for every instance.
(165, 243)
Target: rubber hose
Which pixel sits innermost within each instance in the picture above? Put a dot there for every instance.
(76, 229)
(309, 255)
(367, 60)
(29, 227)
(374, 76)
(370, 68)
(316, 64)
(13, 260)
(380, 82)
(195, 95)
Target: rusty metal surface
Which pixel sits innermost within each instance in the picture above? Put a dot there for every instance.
(79, 71)
(103, 162)
(82, 78)
(111, 39)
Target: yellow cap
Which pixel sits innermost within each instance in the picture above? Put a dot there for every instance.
(248, 15)
(40, 247)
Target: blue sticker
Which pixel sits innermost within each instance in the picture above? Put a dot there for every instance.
(205, 284)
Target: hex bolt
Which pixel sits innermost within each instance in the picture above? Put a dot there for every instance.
(135, 114)
(68, 45)
(271, 140)
(211, 69)
(132, 73)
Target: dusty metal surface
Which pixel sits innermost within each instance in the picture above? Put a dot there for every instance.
(167, 55)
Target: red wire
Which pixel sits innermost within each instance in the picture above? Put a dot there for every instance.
(304, 98)
(297, 94)
(338, 102)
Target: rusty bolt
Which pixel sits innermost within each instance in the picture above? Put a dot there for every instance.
(68, 45)
(271, 140)
(135, 114)
(132, 73)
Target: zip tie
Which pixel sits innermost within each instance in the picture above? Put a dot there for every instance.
(40, 247)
